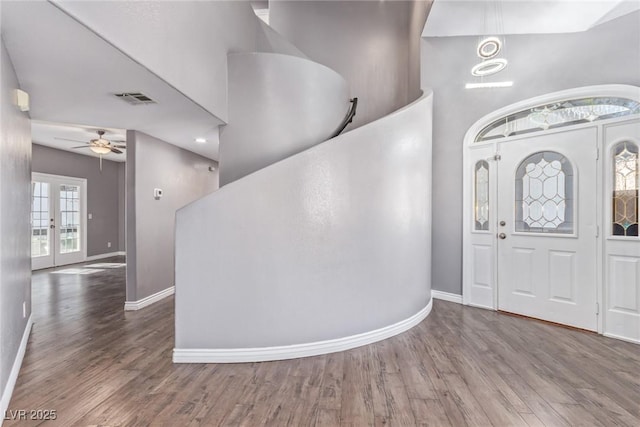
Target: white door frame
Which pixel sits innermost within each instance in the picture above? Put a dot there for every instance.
(487, 150)
(38, 176)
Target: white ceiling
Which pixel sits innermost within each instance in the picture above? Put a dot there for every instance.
(45, 133)
(479, 17)
(71, 75)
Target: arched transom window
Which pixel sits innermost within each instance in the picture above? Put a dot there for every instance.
(558, 114)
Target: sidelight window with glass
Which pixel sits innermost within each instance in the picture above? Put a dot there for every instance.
(481, 205)
(626, 181)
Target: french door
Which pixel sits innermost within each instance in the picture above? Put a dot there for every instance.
(58, 224)
(547, 227)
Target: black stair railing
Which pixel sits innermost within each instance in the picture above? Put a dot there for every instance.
(348, 119)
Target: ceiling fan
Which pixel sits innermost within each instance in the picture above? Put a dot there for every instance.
(100, 145)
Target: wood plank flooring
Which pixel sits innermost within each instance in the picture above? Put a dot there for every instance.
(99, 366)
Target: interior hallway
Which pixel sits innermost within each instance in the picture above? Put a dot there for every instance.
(97, 365)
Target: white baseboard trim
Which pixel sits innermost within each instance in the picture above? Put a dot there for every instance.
(239, 355)
(621, 338)
(446, 296)
(15, 370)
(142, 303)
(101, 256)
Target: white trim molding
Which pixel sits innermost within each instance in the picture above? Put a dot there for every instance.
(446, 296)
(15, 369)
(621, 338)
(262, 354)
(102, 256)
(144, 302)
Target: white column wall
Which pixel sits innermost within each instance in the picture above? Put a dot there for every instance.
(279, 105)
(325, 245)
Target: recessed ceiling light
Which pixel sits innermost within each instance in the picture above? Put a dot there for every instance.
(201, 140)
(487, 85)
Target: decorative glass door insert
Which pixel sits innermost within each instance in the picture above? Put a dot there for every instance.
(626, 178)
(544, 189)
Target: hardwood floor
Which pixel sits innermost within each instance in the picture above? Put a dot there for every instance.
(97, 365)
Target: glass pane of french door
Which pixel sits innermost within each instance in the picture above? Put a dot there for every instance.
(69, 218)
(40, 217)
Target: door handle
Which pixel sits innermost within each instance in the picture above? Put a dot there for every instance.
(502, 236)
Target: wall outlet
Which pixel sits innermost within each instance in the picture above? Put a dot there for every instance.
(90, 216)
(24, 309)
(108, 244)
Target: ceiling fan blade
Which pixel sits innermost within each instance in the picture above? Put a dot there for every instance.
(73, 140)
(115, 150)
(118, 141)
(82, 146)
(119, 146)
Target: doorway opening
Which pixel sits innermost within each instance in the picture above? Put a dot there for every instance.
(551, 210)
(58, 220)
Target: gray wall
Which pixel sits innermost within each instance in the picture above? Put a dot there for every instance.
(372, 44)
(539, 64)
(183, 177)
(279, 105)
(103, 193)
(325, 244)
(15, 228)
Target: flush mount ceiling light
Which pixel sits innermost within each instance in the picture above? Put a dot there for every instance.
(201, 140)
(489, 47)
(489, 67)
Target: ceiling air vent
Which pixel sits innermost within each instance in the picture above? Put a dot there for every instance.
(135, 98)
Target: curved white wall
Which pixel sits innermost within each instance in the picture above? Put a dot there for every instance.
(279, 105)
(326, 250)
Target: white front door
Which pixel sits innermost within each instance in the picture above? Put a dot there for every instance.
(547, 227)
(58, 226)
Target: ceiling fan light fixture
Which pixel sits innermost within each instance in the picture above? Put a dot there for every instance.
(99, 149)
